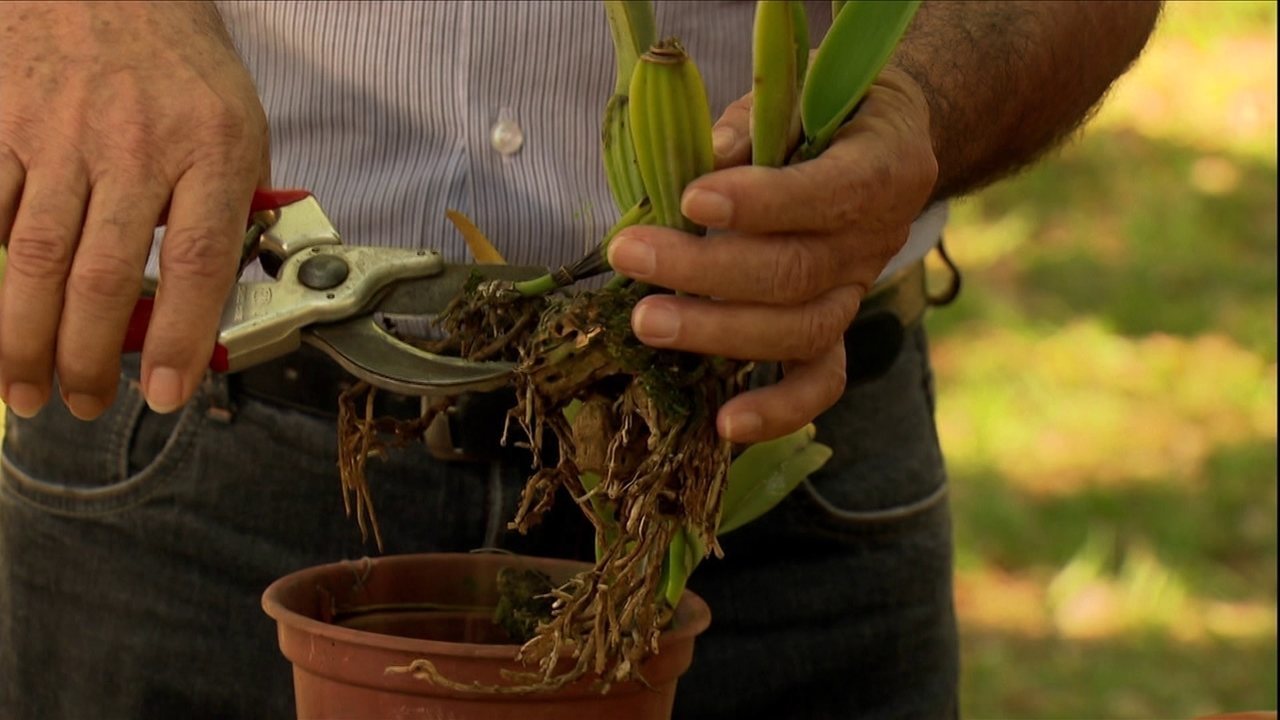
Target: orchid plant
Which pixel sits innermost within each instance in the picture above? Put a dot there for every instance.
(639, 452)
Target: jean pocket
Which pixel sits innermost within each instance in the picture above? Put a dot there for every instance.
(886, 465)
(71, 467)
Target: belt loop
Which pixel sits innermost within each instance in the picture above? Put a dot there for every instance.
(216, 389)
(439, 437)
(952, 290)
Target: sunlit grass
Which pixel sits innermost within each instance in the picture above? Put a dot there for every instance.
(1107, 397)
(1208, 80)
(1102, 592)
(1080, 405)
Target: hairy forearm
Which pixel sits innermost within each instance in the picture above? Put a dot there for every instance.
(1006, 81)
(108, 19)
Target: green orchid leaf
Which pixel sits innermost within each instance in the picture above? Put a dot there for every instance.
(683, 555)
(766, 472)
(571, 410)
(676, 569)
(632, 26)
(800, 27)
(773, 89)
(862, 37)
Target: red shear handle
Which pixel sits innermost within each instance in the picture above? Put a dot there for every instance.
(267, 199)
(136, 333)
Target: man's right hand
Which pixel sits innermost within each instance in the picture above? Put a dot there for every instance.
(112, 118)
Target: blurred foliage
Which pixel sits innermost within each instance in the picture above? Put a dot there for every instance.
(1107, 396)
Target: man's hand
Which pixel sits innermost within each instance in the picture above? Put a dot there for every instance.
(798, 248)
(973, 92)
(112, 117)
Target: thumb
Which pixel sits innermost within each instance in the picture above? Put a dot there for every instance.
(731, 135)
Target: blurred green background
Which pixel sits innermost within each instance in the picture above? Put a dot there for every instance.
(1107, 396)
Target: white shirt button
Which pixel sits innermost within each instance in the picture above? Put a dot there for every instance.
(506, 137)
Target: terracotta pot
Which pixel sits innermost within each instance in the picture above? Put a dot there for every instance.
(325, 615)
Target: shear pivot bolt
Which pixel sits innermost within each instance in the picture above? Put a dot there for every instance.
(323, 272)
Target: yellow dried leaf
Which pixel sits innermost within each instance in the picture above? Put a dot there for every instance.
(481, 249)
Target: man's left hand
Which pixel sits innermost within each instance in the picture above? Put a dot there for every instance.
(795, 249)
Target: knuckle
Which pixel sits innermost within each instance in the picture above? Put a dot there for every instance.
(230, 134)
(103, 278)
(833, 382)
(842, 195)
(17, 126)
(9, 159)
(823, 325)
(40, 252)
(202, 254)
(134, 140)
(927, 169)
(794, 277)
(231, 126)
(883, 174)
(741, 106)
(222, 122)
(130, 119)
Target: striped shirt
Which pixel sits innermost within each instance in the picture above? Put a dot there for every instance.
(393, 112)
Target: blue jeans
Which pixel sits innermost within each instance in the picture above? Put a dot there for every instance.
(134, 549)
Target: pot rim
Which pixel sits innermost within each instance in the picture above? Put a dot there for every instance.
(692, 615)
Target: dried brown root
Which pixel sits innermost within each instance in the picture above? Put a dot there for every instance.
(648, 434)
(361, 436)
(424, 669)
(487, 321)
(662, 468)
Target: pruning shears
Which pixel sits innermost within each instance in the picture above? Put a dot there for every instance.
(333, 296)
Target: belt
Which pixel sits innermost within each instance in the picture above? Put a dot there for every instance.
(308, 381)
(875, 337)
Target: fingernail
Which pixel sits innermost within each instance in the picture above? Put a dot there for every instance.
(164, 390)
(708, 208)
(85, 406)
(742, 425)
(655, 323)
(722, 140)
(24, 399)
(632, 257)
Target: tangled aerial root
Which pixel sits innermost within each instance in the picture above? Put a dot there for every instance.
(361, 436)
(643, 434)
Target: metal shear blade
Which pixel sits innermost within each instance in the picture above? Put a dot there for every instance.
(367, 350)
